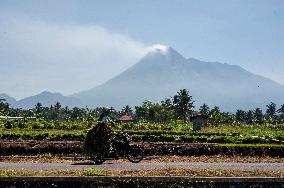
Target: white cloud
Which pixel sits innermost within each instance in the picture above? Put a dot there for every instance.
(37, 55)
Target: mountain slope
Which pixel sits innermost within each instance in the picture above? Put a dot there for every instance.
(163, 72)
(8, 99)
(47, 99)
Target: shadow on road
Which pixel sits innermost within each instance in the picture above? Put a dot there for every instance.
(89, 163)
(83, 163)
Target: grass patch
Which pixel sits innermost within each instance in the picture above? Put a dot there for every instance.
(86, 172)
(94, 172)
(199, 173)
(251, 145)
(155, 172)
(218, 159)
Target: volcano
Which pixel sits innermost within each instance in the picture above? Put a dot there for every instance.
(163, 71)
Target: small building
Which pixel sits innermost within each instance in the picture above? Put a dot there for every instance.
(126, 118)
(199, 121)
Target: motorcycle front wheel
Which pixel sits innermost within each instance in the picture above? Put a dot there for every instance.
(135, 153)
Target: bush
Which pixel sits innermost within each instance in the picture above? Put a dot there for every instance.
(8, 125)
(94, 172)
(167, 138)
(22, 125)
(36, 125)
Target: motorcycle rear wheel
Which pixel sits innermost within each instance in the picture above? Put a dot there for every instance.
(135, 153)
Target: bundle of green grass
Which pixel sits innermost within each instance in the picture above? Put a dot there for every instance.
(98, 139)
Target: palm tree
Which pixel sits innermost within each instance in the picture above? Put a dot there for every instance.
(38, 110)
(204, 109)
(127, 110)
(241, 116)
(4, 107)
(258, 115)
(271, 111)
(281, 109)
(249, 117)
(183, 104)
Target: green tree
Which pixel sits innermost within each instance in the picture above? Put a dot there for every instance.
(215, 109)
(143, 110)
(167, 103)
(154, 112)
(57, 115)
(271, 113)
(271, 110)
(281, 112)
(38, 110)
(258, 115)
(281, 109)
(127, 110)
(219, 117)
(240, 116)
(183, 104)
(168, 111)
(57, 106)
(249, 117)
(204, 109)
(76, 113)
(4, 107)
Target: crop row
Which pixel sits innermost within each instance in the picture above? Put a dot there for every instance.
(150, 149)
(157, 133)
(203, 139)
(80, 136)
(43, 135)
(145, 128)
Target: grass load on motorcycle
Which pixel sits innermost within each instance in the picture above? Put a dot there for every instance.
(102, 144)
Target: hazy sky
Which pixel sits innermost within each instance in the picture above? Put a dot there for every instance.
(68, 46)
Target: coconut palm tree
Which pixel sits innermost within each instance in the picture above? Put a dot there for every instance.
(204, 109)
(183, 104)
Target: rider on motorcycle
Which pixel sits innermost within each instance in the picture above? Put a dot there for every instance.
(105, 115)
(98, 140)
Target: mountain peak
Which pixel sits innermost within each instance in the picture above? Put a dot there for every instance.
(159, 48)
(50, 93)
(163, 71)
(162, 53)
(47, 98)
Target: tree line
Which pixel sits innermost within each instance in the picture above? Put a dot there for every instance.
(178, 107)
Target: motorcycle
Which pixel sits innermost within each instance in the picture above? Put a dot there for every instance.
(121, 147)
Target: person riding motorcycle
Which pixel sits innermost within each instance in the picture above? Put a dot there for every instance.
(98, 140)
(104, 117)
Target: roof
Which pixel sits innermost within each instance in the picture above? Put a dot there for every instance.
(125, 118)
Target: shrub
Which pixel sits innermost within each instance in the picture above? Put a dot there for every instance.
(8, 125)
(22, 125)
(94, 172)
(36, 125)
(167, 138)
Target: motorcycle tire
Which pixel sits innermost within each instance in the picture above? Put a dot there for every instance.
(135, 153)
